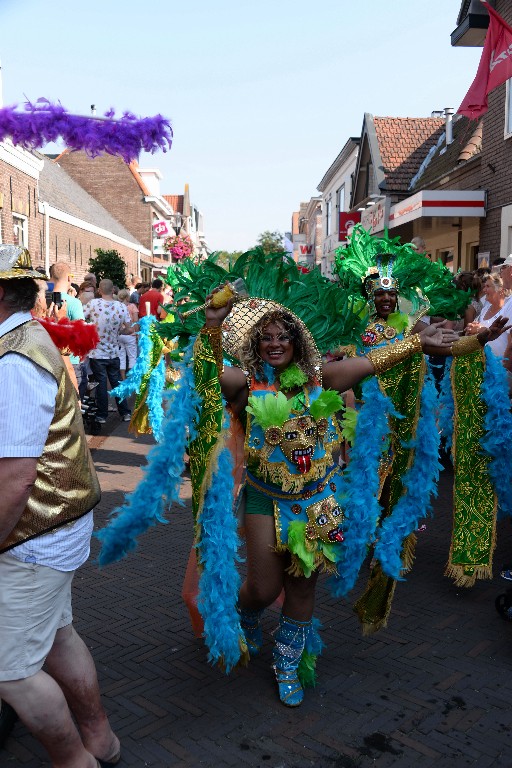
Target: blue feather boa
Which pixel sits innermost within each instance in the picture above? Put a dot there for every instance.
(446, 407)
(160, 485)
(135, 375)
(154, 399)
(497, 439)
(360, 485)
(219, 582)
(419, 485)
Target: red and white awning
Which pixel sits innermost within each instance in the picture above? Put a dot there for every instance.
(438, 202)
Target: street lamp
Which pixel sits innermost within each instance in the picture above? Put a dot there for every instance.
(178, 219)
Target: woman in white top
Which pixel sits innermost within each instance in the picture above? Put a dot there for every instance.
(497, 304)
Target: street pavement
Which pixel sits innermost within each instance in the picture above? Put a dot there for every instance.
(433, 689)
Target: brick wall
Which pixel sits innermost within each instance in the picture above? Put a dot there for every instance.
(18, 194)
(496, 175)
(109, 180)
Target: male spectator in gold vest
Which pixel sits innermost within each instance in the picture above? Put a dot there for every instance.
(49, 488)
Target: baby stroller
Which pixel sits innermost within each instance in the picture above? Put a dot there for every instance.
(90, 412)
(503, 602)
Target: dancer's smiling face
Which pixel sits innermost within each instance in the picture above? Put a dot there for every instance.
(276, 346)
(385, 302)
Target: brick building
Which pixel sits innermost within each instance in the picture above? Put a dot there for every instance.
(420, 177)
(496, 154)
(131, 195)
(42, 208)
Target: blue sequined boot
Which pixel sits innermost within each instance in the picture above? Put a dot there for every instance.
(290, 637)
(250, 621)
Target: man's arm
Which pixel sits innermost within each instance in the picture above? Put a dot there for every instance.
(17, 477)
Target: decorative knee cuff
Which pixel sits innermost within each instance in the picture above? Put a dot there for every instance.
(386, 357)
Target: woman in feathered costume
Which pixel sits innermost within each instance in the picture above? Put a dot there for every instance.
(298, 520)
(385, 276)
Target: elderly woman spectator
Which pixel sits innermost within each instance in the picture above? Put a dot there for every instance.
(495, 297)
(86, 292)
(128, 341)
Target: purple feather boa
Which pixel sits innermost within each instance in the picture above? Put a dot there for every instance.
(44, 122)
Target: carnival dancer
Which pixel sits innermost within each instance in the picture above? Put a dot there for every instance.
(385, 276)
(296, 524)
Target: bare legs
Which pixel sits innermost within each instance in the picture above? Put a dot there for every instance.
(266, 573)
(40, 701)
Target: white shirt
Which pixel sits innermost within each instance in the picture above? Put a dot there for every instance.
(109, 317)
(27, 406)
(499, 345)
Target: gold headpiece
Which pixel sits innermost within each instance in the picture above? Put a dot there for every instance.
(15, 262)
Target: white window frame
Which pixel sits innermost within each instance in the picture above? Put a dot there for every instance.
(507, 129)
(21, 221)
(328, 217)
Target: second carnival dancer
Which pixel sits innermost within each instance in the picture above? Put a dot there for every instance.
(288, 402)
(396, 286)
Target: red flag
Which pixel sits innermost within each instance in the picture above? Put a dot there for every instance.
(494, 69)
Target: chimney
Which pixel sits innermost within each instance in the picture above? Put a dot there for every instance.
(448, 114)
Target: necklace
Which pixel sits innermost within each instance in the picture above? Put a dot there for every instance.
(377, 332)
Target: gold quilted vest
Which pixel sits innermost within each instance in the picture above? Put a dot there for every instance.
(66, 485)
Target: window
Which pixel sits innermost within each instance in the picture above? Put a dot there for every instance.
(340, 198)
(20, 230)
(508, 110)
(328, 214)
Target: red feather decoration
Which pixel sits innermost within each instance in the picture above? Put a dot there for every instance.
(76, 336)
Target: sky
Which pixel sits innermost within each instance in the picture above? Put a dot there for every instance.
(262, 96)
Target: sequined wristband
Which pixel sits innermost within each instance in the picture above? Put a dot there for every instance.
(386, 357)
(465, 345)
(215, 338)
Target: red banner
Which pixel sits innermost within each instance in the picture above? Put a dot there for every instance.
(494, 69)
(346, 222)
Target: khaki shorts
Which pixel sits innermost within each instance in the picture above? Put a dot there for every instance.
(35, 601)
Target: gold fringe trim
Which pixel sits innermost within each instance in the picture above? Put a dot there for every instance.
(408, 552)
(322, 564)
(467, 580)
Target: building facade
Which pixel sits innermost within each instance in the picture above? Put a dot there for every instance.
(336, 189)
(44, 210)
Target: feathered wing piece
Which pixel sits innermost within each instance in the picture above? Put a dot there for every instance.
(43, 122)
(411, 269)
(328, 312)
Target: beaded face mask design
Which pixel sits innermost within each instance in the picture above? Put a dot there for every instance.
(297, 439)
(325, 519)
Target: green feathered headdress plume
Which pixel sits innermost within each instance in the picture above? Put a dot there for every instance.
(328, 312)
(411, 269)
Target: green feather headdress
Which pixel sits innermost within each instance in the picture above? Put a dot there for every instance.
(328, 313)
(416, 275)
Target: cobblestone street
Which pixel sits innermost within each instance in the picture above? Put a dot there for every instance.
(431, 690)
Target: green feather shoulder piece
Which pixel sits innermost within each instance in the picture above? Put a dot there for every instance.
(270, 410)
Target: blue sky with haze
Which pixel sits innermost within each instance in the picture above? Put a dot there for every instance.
(261, 95)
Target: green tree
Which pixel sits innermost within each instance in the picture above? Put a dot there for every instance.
(109, 264)
(226, 259)
(271, 242)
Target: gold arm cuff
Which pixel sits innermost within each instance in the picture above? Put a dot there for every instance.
(465, 345)
(386, 357)
(215, 338)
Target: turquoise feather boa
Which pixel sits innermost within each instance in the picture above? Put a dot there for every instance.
(160, 486)
(360, 485)
(419, 485)
(219, 582)
(497, 440)
(135, 375)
